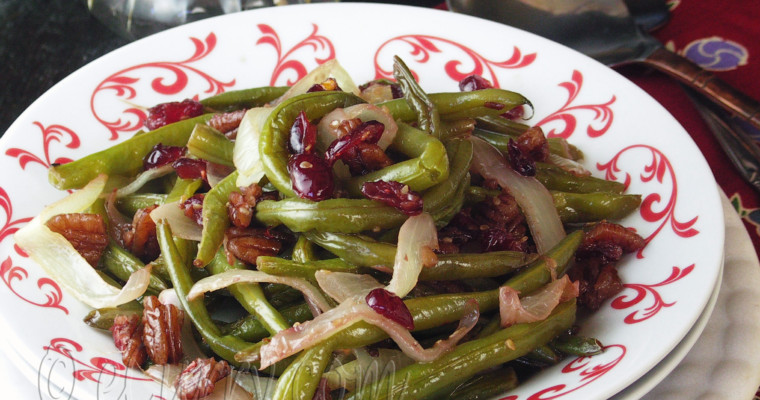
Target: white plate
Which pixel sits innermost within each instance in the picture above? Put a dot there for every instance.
(623, 132)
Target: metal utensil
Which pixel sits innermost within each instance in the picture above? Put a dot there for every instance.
(604, 30)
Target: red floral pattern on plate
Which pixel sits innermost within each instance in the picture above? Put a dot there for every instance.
(643, 292)
(588, 369)
(286, 60)
(123, 84)
(50, 134)
(91, 370)
(566, 115)
(422, 47)
(52, 292)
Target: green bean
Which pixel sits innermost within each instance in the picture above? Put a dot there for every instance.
(428, 167)
(209, 144)
(589, 207)
(249, 295)
(362, 251)
(250, 328)
(306, 270)
(273, 142)
(225, 346)
(539, 272)
(467, 359)
(460, 128)
(460, 105)
(443, 198)
(337, 215)
(443, 215)
(476, 194)
(183, 189)
(498, 131)
(215, 219)
(125, 158)
(543, 355)
(130, 203)
(303, 250)
(428, 118)
(485, 386)
(301, 379)
(555, 178)
(102, 318)
(245, 98)
(577, 345)
(122, 264)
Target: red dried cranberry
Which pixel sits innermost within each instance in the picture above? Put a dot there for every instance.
(474, 82)
(493, 105)
(390, 306)
(162, 155)
(190, 168)
(520, 162)
(311, 177)
(517, 112)
(303, 135)
(328, 85)
(193, 208)
(366, 132)
(394, 194)
(167, 113)
(396, 91)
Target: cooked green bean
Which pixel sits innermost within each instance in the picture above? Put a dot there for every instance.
(245, 98)
(130, 203)
(249, 295)
(211, 145)
(589, 207)
(306, 270)
(459, 105)
(555, 178)
(215, 219)
(129, 153)
(250, 328)
(579, 346)
(498, 131)
(102, 318)
(301, 378)
(485, 386)
(428, 118)
(122, 264)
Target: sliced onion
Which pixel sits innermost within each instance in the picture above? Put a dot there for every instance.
(245, 153)
(299, 337)
(537, 306)
(330, 69)
(327, 130)
(416, 237)
(533, 198)
(65, 265)
(228, 278)
(342, 285)
(143, 178)
(182, 226)
(569, 165)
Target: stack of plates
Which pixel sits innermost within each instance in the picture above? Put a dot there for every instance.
(671, 285)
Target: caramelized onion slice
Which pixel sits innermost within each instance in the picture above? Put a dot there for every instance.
(537, 306)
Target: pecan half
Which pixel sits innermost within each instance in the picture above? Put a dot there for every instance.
(198, 379)
(241, 204)
(86, 232)
(127, 331)
(144, 243)
(248, 244)
(162, 332)
(227, 122)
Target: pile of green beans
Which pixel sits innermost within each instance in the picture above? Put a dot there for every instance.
(352, 234)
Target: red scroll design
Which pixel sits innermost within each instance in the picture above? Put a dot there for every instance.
(588, 369)
(643, 292)
(50, 134)
(321, 46)
(422, 47)
(52, 292)
(566, 115)
(168, 78)
(94, 368)
(656, 207)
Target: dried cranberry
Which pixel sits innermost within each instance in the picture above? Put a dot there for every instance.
(366, 132)
(162, 155)
(167, 113)
(390, 306)
(474, 82)
(190, 168)
(311, 177)
(517, 112)
(394, 194)
(520, 162)
(193, 208)
(328, 85)
(303, 135)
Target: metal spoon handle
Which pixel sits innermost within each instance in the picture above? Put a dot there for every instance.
(736, 143)
(706, 83)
